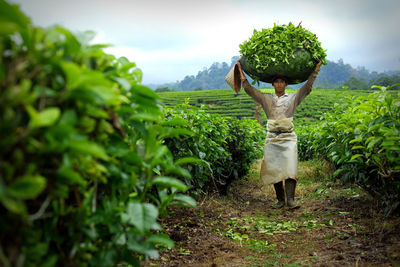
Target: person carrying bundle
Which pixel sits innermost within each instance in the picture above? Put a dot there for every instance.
(279, 163)
(281, 55)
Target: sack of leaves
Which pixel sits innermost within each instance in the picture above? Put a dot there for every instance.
(284, 50)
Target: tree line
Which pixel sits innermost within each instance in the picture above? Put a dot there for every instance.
(334, 75)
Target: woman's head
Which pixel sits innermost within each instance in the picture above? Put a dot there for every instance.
(275, 78)
(279, 83)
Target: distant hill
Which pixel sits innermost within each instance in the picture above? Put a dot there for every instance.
(332, 75)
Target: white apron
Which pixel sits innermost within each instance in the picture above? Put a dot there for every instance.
(280, 152)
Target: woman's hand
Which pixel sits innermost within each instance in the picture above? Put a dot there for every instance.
(314, 74)
(242, 77)
(318, 66)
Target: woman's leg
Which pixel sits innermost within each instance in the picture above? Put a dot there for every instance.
(290, 185)
(280, 195)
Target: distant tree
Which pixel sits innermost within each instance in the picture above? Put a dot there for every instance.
(387, 81)
(356, 84)
(333, 75)
(163, 89)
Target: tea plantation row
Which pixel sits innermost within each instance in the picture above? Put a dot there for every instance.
(357, 131)
(227, 103)
(361, 138)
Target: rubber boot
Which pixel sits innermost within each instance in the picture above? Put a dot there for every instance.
(280, 195)
(290, 185)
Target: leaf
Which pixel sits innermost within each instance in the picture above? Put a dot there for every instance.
(12, 14)
(72, 72)
(160, 152)
(109, 96)
(179, 171)
(132, 158)
(87, 147)
(388, 143)
(14, 205)
(175, 122)
(145, 117)
(7, 28)
(143, 248)
(165, 181)
(185, 200)
(121, 240)
(374, 141)
(45, 118)
(141, 215)
(176, 132)
(356, 156)
(161, 239)
(337, 172)
(127, 66)
(71, 176)
(377, 87)
(27, 187)
(123, 82)
(151, 144)
(187, 160)
(144, 91)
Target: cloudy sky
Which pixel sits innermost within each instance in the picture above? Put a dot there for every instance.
(171, 39)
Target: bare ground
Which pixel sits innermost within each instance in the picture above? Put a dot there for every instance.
(336, 225)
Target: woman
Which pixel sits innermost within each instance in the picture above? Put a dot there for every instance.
(280, 152)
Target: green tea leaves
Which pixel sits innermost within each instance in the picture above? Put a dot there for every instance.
(361, 139)
(141, 215)
(273, 46)
(164, 181)
(44, 118)
(27, 187)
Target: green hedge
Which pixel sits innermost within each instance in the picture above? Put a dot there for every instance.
(84, 173)
(362, 138)
(226, 146)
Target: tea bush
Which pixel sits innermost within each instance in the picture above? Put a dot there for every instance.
(84, 173)
(227, 103)
(226, 146)
(362, 138)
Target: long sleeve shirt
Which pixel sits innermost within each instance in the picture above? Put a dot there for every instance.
(277, 108)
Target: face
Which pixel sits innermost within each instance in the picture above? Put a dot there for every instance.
(279, 85)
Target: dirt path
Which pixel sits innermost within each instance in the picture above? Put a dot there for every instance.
(335, 226)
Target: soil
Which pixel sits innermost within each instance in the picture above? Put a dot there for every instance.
(336, 225)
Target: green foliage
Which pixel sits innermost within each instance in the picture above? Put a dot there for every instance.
(84, 173)
(356, 84)
(163, 89)
(305, 143)
(265, 226)
(273, 46)
(334, 74)
(225, 146)
(392, 81)
(361, 137)
(208, 78)
(227, 103)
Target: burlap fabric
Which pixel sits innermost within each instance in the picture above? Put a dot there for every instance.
(280, 152)
(233, 78)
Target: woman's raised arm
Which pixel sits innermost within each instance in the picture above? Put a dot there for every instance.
(250, 90)
(307, 87)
